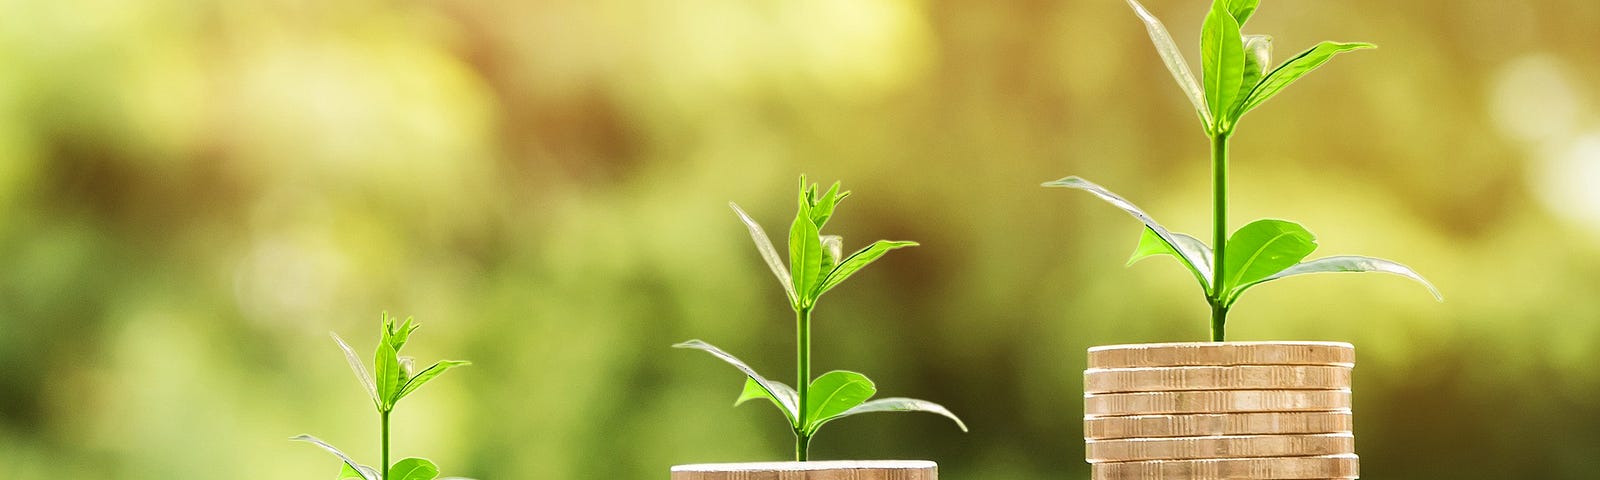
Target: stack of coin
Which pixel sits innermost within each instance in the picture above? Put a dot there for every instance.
(1224, 410)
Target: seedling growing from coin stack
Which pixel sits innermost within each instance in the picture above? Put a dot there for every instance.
(1235, 79)
(816, 265)
(393, 381)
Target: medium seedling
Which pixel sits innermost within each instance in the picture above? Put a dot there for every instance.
(394, 381)
(1236, 80)
(816, 265)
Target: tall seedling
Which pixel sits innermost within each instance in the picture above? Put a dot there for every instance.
(816, 264)
(1235, 79)
(392, 379)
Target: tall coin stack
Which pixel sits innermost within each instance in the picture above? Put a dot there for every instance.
(1223, 410)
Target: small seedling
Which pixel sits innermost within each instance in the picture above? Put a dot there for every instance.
(1236, 79)
(393, 382)
(816, 265)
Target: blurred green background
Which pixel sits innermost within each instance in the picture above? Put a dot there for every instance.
(194, 193)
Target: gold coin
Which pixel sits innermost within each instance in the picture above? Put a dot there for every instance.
(1214, 401)
(1239, 446)
(1237, 377)
(1197, 425)
(1222, 353)
(1331, 466)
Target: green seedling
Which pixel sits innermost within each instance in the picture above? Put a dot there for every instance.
(816, 265)
(394, 381)
(1236, 80)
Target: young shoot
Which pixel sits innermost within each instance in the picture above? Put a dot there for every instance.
(392, 380)
(1235, 79)
(816, 264)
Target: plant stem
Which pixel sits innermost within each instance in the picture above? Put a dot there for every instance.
(1219, 231)
(1219, 321)
(801, 444)
(802, 380)
(383, 468)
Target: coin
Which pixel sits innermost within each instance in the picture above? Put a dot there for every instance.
(1222, 353)
(1196, 425)
(1236, 377)
(1331, 466)
(1235, 446)
(1214, 401)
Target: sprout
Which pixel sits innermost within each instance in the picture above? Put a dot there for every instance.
(392, 382)
(1235, 79)
(816, 264)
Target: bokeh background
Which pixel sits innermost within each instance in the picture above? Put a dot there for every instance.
(194, 193)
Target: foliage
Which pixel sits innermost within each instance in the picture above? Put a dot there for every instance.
(816, 265)
(393, 381)
(1235, 79)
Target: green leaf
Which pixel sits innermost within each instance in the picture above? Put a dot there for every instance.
(346, 472)
(822, 209)
(1151, 244)
(367, 472)
(857, 261)
(1222, 63)
(359, 368)
(397, 334)
(808, 193)
(768, 253)
(834, 393)
(1242, 9)
(1262, 248)
(1293, 69)
(413, 469)
(1174, 59)
(753, 390)
(387, 374)
(428, 374)
(898, 404)
(1192, 256)
(777, 391)
(1344, 263)
(805, 256)
(1257, 55)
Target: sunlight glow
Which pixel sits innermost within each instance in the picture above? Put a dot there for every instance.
(1534, 100)
(1568, 178)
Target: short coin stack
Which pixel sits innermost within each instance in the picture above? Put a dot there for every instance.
(1223, 410)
